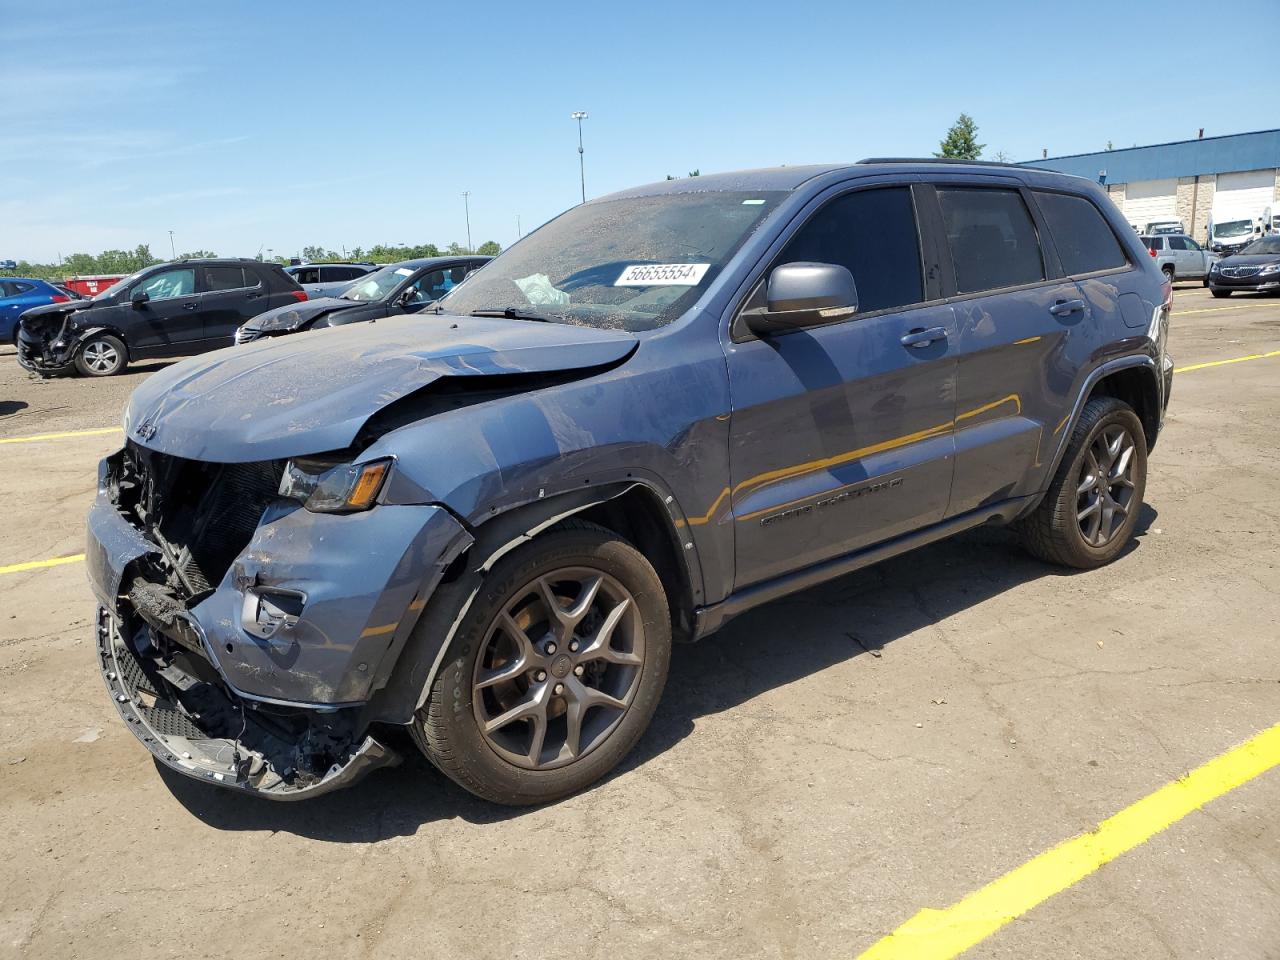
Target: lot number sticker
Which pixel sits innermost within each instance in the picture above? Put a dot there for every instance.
(662, 275)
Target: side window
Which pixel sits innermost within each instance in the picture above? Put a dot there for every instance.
(349, 273)
(170, 283)
(7, 288)
(873, 233)
(1192, 245)
(225, 278)
(1084, 240)
(19, 287)
(307, 275)
(429, 286)
(992, 238)
(1175, 243)
(1153, 243)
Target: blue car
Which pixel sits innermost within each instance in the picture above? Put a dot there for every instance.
(19, 294)
(487, 521)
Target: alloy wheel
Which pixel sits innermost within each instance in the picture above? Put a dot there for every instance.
(1104, 492)
(559, 668)
(101, 357)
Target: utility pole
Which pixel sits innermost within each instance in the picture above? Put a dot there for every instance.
(581, 115)
(173, 252)
(519, 232)
(466, 204)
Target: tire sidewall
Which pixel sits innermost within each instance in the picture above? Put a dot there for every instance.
(1121, 414)
(86, 371)
(450, 715)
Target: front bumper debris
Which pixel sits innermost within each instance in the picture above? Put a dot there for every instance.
(197, 728)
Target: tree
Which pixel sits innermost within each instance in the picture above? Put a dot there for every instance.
(1002, 157)
(961, 142)
(197, 255)
(490, 248)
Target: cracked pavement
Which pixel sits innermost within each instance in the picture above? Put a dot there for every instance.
(817, 772)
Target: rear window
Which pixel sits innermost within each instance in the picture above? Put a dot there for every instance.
(992, 238)
(228, 278)
(1084, 240)
(1153, 243)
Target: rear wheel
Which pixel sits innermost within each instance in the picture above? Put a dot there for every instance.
(102, 355)
(1088, 514)
(555, 670)
(1168, 273)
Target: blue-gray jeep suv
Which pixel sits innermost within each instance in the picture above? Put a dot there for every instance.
(487, 522)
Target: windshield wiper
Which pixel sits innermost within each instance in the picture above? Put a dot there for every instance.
(511, 313)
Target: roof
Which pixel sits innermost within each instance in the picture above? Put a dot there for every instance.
(1231, 153)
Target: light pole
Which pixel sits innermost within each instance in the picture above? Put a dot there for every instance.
(173, 252)
(581, 115)
(466, 205)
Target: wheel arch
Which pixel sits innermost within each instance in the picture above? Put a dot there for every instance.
(86, 335)
(636, 510)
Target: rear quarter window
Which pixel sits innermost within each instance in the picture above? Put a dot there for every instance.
(1085, 241)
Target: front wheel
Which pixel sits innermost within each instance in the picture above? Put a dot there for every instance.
(555, 670)
(1219, 294)
(101, 356)
(1088, 515)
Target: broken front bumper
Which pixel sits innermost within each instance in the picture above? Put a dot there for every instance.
(207, 743)
(42, 354)
(265, 684)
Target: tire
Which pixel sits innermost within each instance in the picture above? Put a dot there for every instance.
(102, 355)
(1059, 531)
(1168, 273)
(498, 665)
(1221, 293)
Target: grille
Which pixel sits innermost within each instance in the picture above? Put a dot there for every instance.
(244, 335)
(1240, 273)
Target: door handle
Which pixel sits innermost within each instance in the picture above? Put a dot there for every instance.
(922, 338)
(1063, 308)
(188, 306)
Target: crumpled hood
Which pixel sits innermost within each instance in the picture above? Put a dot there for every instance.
(60, 309)
(298, 315)
(291, 396)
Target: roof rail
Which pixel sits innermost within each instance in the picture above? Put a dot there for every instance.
(980, 163)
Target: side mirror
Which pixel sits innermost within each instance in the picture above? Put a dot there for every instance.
(139, 296)
(805, 295)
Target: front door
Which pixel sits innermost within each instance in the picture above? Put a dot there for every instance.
(841, 434)
(170, 318)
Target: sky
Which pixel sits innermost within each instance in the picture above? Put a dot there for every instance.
(248, 127)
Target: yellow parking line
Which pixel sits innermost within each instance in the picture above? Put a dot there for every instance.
(940, 934)
(1221, 363)
(38, 564)
(1243, 306)
(61, 436)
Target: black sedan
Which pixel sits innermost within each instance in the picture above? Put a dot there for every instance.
(1255, 269)
(397, 288)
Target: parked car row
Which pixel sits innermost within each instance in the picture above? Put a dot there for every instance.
(193, 306)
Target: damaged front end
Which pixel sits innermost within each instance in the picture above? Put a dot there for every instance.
(235, 650)
(47, 341)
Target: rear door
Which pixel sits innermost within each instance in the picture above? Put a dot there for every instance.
(169, 322)
(840, 434)
(1017, 347)
(233, 295)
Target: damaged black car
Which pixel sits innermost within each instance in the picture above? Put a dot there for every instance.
(485, 523)
(167, 310)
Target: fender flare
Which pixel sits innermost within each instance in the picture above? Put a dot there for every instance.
(83, 336)
(409, 683)
(1091, 381)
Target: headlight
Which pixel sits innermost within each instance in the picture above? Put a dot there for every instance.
(323, 488)
(1269, 268)
(284, 320)
(1213, 267)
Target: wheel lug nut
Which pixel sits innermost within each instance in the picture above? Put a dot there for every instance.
(559, 688)
(540, 675)
(573, 646)
(578, 670)
(551, 648)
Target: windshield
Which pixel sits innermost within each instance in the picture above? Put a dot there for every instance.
(116, 287)
(1234, 228)
(377, 285)
(1267, 245)
(632, 264)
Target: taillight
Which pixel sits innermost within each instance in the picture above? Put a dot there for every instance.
(299, 295)
(59, 298)
(1152, 251)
